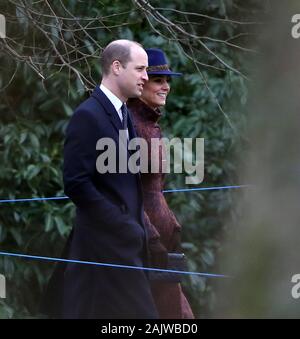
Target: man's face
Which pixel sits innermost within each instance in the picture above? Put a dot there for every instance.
(133, 76)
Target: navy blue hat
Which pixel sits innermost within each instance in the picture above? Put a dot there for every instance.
(158, 64)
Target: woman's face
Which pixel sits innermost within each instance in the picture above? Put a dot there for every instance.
(156, 90)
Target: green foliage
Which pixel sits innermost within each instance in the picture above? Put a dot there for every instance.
(34, 115)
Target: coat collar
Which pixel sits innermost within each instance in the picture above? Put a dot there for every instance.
(108, 107)
(143, 111)
(112, 97)
(111, 111)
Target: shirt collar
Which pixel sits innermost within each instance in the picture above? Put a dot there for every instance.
(112, 98)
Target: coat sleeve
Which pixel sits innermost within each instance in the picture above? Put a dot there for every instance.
(80, 167)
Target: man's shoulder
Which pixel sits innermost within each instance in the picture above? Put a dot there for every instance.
(89, 107)
(96, 102)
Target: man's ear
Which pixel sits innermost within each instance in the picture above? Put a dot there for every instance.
(116, 67)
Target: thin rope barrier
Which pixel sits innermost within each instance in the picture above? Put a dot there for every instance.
(165, 191)
(208, 275)
(18, 255)
(205, 188)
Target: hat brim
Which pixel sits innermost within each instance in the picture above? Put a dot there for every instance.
(168, 73)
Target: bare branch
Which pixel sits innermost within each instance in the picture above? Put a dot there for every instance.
(62, 40)
(223, 20)
(145, 6)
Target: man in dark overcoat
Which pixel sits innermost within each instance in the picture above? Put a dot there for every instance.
(109, 224)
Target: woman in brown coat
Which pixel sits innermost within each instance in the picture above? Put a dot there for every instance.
(163, 228)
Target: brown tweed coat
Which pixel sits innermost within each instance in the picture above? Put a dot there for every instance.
(160, 221)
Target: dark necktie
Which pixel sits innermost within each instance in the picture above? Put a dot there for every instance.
(125, 116)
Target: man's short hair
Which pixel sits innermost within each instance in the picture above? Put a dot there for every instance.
(115, 51)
